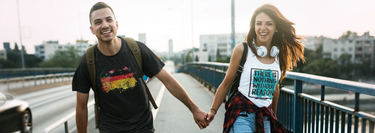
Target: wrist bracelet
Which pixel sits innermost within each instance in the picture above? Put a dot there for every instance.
(214, 110)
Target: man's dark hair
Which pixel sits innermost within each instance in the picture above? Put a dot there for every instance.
(98, 6)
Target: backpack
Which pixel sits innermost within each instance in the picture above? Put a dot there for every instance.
(90, 59)
(234, 87)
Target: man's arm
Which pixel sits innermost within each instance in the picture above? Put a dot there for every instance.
(81, 112)
(179, 92)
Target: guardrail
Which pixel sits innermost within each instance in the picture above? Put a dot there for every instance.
(300, 112)
(19, 72)
(57, 77)
(64, 121)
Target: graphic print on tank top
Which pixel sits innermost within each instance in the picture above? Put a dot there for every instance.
(263, 83)
(120, 79)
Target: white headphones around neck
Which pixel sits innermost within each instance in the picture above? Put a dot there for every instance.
(262, 50)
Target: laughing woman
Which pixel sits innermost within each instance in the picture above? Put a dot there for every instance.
(253, 107)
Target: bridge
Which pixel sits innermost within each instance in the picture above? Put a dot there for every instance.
(311, 103)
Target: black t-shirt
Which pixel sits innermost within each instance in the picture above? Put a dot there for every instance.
(123, 102)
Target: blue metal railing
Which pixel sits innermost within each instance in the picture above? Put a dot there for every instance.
(301, 112)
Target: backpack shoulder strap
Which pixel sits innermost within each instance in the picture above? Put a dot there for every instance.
(235, 84)
(137, 54)
(243, 58)
(90, 59)
(136, 51)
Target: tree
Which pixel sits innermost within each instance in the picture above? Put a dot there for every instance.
(347, 34)
(345, 66)
(63, 58)
(196, 58)
(16, 47)
(323, 67)
(177, 60)
(31, 61)
(8, 64)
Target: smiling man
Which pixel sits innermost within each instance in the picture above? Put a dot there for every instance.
(123, 103)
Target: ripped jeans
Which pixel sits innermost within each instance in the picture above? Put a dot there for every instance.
(245, 123)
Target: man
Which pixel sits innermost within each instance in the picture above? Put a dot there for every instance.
(124, 106)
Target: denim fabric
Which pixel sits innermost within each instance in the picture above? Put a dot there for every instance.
(245, 123)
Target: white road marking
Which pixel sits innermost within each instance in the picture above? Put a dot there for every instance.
(158, 100)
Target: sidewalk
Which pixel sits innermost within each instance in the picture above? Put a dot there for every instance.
(173, 116)
(24, 90)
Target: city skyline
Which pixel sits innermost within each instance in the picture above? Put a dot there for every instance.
(67, 20)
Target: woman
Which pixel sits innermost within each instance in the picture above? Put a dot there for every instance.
(254, 106)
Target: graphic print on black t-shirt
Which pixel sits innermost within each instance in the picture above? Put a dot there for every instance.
(120, 79)
(263, 83)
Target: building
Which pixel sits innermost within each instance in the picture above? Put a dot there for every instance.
(6, 46)
(217, 46)
(360, 47)
(3, 54)
(142, 37)
(313, 42)
(170, 51)
(48, 48)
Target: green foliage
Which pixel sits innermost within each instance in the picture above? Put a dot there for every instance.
(364, 69)
(223, 60)
(16, 47)
(9, 64)
(196, 58)
(14, 59)
(163, 58)
(31, 61)
(63, 59)
(347, 34)
(341, 68)
(177, 60)
(323, 67)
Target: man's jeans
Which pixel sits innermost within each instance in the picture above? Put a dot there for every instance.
(245, 123)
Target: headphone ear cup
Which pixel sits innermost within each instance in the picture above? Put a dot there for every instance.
(274, 51)
(262, 51)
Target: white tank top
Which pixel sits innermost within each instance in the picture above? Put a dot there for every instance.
(258, 81)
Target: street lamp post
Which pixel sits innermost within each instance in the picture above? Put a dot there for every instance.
(233, 35)
(19, 27)
(192, 32)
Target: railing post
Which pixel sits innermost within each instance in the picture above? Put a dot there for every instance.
(23, 81)
(356, 109)
(45, 78)
(297, 125)
(66, 127)
(8, 83)
(34, 80)
(214, 77)
(322, 93)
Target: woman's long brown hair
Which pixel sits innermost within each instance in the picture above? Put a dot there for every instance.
(291, 50)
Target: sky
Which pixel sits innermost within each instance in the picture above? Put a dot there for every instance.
(179, 20)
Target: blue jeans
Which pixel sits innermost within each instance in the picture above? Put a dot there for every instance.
(245, 123)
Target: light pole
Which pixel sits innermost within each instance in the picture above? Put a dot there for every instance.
(19, 27)
(233, 34)
(192, 32)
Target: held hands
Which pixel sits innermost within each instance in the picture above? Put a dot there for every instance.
(200, 118)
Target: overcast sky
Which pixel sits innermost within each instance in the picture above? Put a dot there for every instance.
(161, 20)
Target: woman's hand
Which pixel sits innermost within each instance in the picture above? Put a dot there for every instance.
(211, 116)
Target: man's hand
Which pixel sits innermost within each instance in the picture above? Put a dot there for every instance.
(200, 118)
